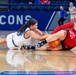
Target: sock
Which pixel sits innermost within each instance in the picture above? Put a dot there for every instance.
(40, 44)
(28, 47)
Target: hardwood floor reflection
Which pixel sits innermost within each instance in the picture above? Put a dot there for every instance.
(39, 61)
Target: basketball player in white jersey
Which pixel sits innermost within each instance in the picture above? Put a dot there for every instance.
(24, 34)
(71, 11)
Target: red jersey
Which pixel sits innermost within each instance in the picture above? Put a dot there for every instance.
(70, 40)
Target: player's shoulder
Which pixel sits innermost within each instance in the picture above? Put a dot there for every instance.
(31, 31)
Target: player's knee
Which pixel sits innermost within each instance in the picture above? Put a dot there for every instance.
(63, 32)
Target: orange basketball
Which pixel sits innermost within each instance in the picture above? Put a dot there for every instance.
(54, 44)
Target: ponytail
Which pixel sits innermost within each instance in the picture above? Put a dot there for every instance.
(32, 22)
(22, 29)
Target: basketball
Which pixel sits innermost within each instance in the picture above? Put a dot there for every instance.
(54, 44)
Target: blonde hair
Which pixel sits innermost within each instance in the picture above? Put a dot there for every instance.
(71, 3)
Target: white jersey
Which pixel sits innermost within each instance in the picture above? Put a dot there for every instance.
(72, 10)
(14, 41)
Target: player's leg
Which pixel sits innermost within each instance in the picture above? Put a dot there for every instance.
(59, 35)
(2, 40)
(61, 21)
(72, 18)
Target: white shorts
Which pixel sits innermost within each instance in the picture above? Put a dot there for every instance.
(71, 16)
(10, 45)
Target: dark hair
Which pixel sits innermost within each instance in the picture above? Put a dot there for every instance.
(30, 22)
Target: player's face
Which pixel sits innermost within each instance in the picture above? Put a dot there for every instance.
(75, 26)
(71, 4)
(35, 26)
(61, 7)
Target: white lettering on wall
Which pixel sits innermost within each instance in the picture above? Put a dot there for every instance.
(11, 19)
(1, 19)
(19, 19)
(27, 17)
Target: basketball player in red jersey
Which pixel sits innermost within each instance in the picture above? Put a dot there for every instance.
(68, 39)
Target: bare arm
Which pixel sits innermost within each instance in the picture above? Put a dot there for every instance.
(38, 37)
(63, 27)
(39, 32)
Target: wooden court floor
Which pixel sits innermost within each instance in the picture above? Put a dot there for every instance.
(41, 61)
(38, 60)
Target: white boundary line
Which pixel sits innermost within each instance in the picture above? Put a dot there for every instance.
(50, 21)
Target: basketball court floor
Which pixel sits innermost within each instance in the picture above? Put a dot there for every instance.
(37, 60)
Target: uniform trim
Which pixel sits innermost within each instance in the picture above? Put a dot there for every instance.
(14, 42)
(26, 32)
